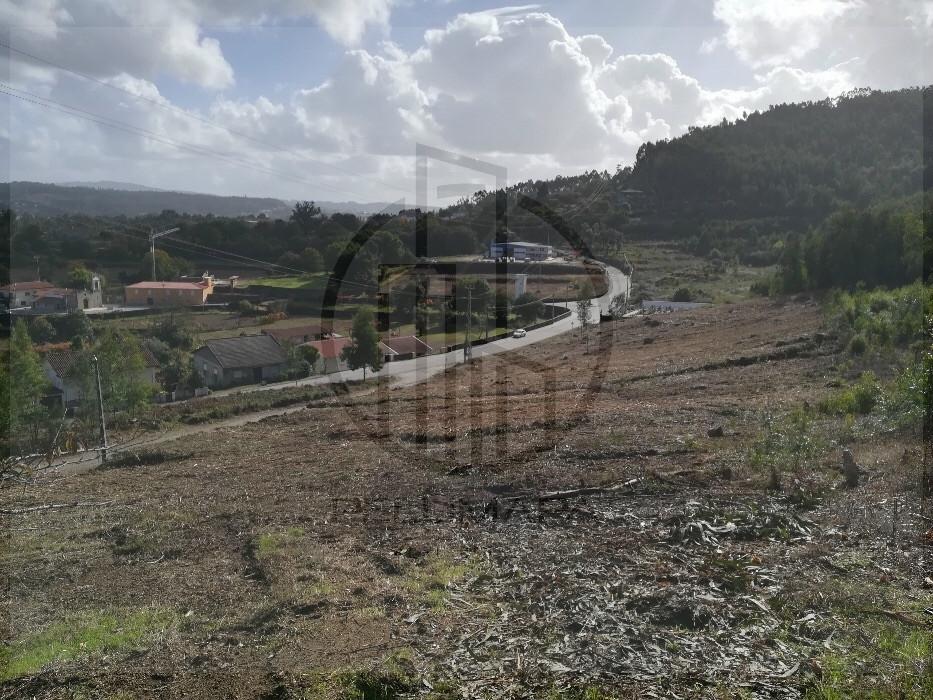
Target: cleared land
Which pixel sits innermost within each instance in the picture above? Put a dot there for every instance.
(557, 520)
(663, 267)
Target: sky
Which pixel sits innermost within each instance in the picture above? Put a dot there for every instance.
(328, 99)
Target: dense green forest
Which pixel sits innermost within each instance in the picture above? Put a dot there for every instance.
(882, 245)
(795, 160)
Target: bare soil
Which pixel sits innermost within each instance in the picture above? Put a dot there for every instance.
(433, 535)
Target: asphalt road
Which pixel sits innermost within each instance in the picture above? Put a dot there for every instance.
(401, 373)
(409, 372)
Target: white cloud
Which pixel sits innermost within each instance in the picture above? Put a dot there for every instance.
(345, 20)
(888, 43)
(152, 39)
(769, 33)
(104, 39)
(512, 86)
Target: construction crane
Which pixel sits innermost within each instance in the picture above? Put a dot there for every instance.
(152, 239)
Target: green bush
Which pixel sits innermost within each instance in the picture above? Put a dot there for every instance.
(909, 396)
(858, 399)
(857, 345)
(880, 320)
(789, 443)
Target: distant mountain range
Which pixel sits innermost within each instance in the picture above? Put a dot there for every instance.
(110, 198)
(111, 185)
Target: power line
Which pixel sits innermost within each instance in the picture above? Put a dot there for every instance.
(191, 247)
(232, 257)
(571, 213)
(191, 115)
(80, 113)
(48, 103)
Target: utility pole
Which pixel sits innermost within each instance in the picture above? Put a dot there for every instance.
(36, 258)
(152, 239)
(467, 347)
(100, 408)
(486, 319)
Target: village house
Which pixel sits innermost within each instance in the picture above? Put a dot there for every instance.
(407, 347)
(60, 365)
(330, 354)
(58, 300)
(298, 334)
(22, 294)
(169, 293)
(246, 359)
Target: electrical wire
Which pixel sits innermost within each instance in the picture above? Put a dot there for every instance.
(267, 264)
(112, 123)
(191, 115)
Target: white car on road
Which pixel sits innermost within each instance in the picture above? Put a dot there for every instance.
(519, 333)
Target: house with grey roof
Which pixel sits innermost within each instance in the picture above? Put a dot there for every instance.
(61, 369)
(246, 359)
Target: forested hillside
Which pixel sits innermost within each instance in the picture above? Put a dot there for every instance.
(44, 199)
(108, 198)
(796, 160)
(755, 188)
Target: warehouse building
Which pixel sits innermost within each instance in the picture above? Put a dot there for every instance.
(520, 250)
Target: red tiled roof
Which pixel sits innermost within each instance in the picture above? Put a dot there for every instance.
(330, 348)
(54, 292)
(26, 286)
(408, 344)
(167, 285)
(43, 348)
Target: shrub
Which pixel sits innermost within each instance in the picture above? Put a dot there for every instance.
(174, 331)
(41, 331)
(682, 294)
(880, 320)
(858, 399)
(790, 443)
(909, 396)
(857, 345)
(248, 308)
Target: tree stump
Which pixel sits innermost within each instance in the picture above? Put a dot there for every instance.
(850, 469)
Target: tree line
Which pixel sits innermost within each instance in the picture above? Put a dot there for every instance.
(880, 246)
